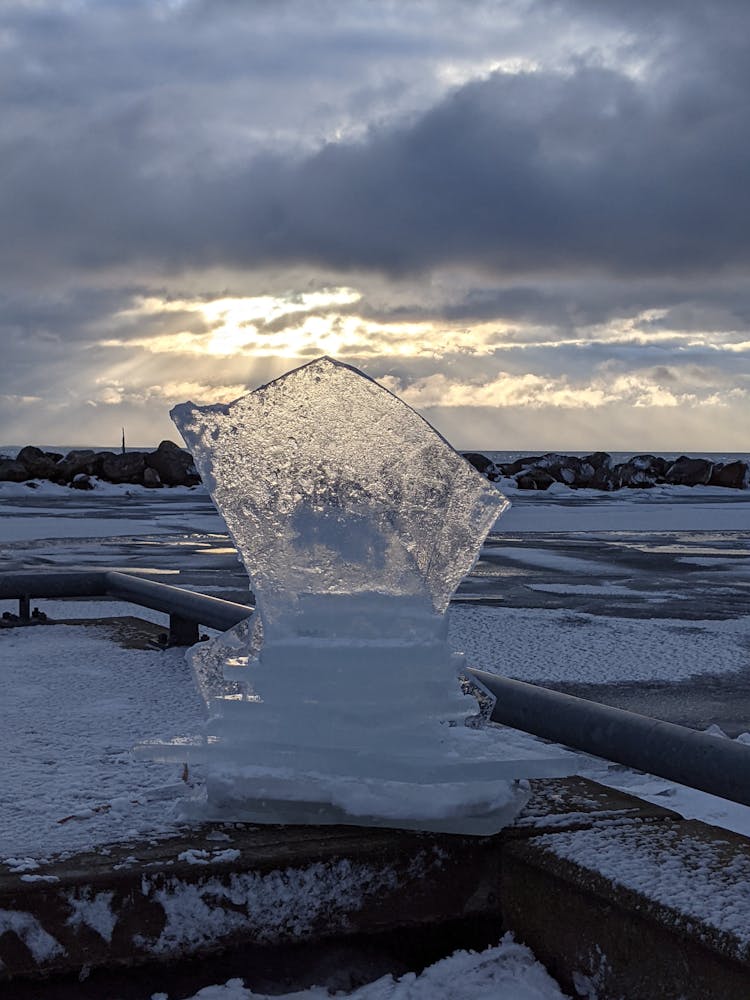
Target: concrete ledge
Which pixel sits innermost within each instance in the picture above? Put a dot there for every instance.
(627, 909)
(618, 897)
(217, 887)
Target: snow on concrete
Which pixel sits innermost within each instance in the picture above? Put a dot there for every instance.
(290, 902)
(27, 928)
(508, 971)
(688, 802)
(559, 645)
(73, 706)
(93, 910)
(689, 874)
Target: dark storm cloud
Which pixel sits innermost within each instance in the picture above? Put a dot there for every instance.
(525, 173)
(522, 174)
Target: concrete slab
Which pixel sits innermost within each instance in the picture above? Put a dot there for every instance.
(217, 887)
(212, 888)
(578, 803)
(630, 909)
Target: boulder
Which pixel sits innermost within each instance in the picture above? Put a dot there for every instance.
(174, 465)
(127, 468)
(641, 471)
(569, 469)
(151, 479)
(37, 464)
(75, 462)
(733, 475)
(12, 471)
(513, 468)
(534, 479)
(689, 472)
(598, 460)
(81, 482)
(482, 464)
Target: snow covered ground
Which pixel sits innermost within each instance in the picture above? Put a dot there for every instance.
(638, 592)
(73, 703)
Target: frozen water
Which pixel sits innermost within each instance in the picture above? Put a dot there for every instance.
(330, 484)
(356, 522)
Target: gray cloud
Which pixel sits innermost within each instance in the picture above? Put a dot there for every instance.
(204, 148)
(519, 173)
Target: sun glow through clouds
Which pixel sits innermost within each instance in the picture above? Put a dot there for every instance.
(242, 324)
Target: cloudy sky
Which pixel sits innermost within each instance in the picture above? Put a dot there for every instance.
(530, 218)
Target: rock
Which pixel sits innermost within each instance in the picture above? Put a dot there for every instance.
(733, 475)
(151, 479)
(37, 464)
(689, 472)
(598, 460)
(127, 468)
(641, 471)
(81, 482)
(12, 471)
(512, 468)
(482, 464)
(77, 461)
(534, 479)
(174, 465)
(568, 469)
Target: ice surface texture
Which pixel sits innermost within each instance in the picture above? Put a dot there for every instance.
(330, 484)
(356, 522)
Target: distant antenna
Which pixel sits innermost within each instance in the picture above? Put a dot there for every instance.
(123, 440)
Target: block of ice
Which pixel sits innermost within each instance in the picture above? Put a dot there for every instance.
(355, 521)
(329, 484)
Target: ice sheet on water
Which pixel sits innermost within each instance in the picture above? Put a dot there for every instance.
(330, 484)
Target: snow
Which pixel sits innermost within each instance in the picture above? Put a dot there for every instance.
(685, 872)
(508, 971)
(73, 705)
(94, 910)
(42, 945)
(84, 520)
(606, 590)
(263, 906)
(558, 645)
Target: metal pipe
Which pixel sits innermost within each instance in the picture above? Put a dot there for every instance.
(720, 767)
(698, 760)
(213, 612)
(83, 583)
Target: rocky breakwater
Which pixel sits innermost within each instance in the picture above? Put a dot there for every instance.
(169, 465)
(597, 471)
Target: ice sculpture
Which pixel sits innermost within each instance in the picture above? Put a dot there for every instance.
(355, 521)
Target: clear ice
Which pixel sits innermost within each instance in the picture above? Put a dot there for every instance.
(356, 521)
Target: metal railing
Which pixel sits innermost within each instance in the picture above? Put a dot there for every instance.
(698, 760)
(186, 609)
